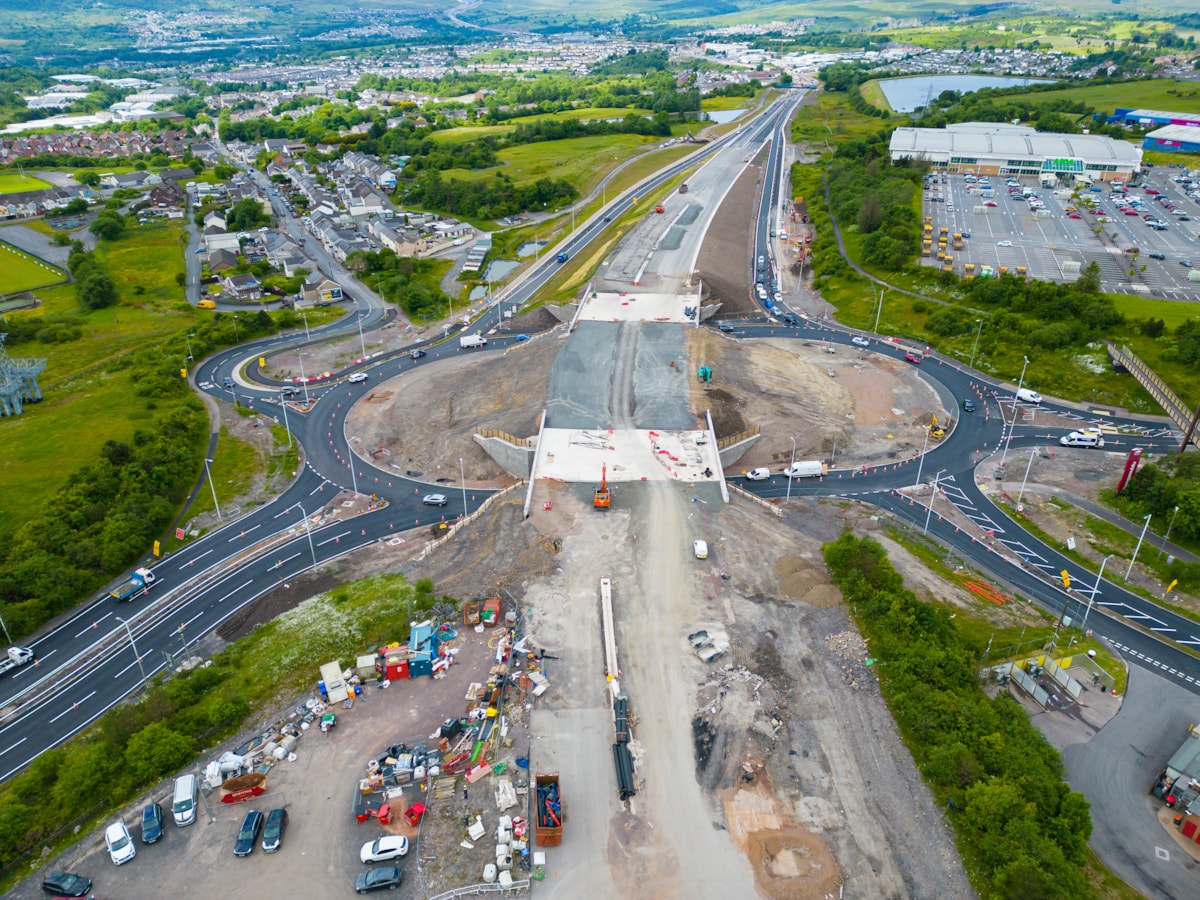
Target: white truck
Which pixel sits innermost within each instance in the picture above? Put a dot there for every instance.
(17, 656)
(138, 582)
(806, 469)
(467, 341)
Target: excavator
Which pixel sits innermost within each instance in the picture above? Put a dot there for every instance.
(602, 498)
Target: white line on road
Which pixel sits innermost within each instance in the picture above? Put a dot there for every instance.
(336, 537)
(279, 565)
(242, 534)
(93, 627)
(74, 707)
(234, 591)
(188, 565)
(11, 746)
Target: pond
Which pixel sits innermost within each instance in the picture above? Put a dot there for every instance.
(906, 94)
(721, 116)
(498, 269)
(529, 248)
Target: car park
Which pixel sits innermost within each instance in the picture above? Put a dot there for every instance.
(860, 340)
(119, 842)
(273, 830)
(383, 878)
(152, 823)
(383, 848)
(66, 884)
(758, 474)
(251, 826)
(434, 500)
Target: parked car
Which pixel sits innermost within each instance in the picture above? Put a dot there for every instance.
(66, 884)
(1157, 255)
(358, 377)
(1186, 263)
(758, 474)
(434, 500)
(385, 877)
(119, 842)
(1003, 243)
(383, 848)
(272, 838)
(251, 826)
(700, 549)
(152, 823)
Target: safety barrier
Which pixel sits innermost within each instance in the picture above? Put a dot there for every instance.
(767, 504)
(736, 438)
(472, 889)
(505, 436)
(430, 546)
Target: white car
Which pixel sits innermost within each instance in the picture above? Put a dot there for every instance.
(120, 843)
(358, 377)
(700, 549)
(758, 474)
(1003, 243)
(434, 500)
(383, 848)
(860, 340)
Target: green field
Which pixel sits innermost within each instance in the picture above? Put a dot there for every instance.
(17, 182)
(21, 272)
(1155, 93)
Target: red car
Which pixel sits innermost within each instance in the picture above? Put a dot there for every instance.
(1130, 212)
(1074, 216)
(990, 203)
(1151, 192)
(912, 358)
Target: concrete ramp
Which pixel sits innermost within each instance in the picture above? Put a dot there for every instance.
(576, 455)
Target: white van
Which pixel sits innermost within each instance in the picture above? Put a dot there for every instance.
(184, 803)
(1025, 395)
(1082, 439)
(700, 549)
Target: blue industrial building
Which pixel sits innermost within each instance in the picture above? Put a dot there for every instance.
(1173, 139)
(1144, 118)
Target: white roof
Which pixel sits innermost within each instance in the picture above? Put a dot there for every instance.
(1188, 134)
(990, 139)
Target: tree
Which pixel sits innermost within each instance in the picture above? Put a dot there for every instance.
(88, 177)
(870, 214)
(97, 291)
(109, 225)
(1088, 281)
(76, 207)
(156, 750)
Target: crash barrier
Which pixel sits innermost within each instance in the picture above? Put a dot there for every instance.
(430, 546)
(1100, 678)
(505, 436)
(472, 889)
(740, 436)
(1180, 412)
(1059, 674)
(767, 504)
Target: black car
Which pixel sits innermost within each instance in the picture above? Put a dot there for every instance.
(152, 822)
(66, 884)
(968, 405)
(277, 820)
(251, 826)
(791, 320)
(383, 877)
(725, 327)
(1157, 256)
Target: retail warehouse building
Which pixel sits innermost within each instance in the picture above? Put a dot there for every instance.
(990, 148)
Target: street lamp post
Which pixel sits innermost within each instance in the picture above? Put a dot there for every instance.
(237, 339)
(350, 460)
(1141, 537)
(1028, 466)
(304, 316)
(462, 477)
(5, 627)
(213, 486)
(791, 467)
(361, 340)
(1163, 548)
(308, 531)
(188, 338)
(879, 311)
(283, 403)
(303, 377)
(1095, 591)
(932, 494)
(129, 631)
(975, 346)
(1012, 427)
(921, 461)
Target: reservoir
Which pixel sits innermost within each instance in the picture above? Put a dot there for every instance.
(906, 94)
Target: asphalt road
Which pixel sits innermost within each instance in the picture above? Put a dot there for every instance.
(85, 665)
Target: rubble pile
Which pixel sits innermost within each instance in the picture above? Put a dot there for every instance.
(851, 647)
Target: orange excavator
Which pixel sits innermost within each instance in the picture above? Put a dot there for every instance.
(602, 498)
